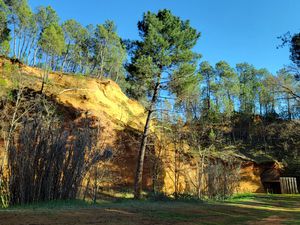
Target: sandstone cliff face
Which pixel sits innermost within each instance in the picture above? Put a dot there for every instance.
(121, 120)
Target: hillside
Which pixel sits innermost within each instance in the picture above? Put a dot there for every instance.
(119, 118)
(121, 121)
(101, 98)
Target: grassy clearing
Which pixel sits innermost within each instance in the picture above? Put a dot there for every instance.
(241, 209)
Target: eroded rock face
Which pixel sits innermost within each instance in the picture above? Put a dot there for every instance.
(121, 121)
(250, 178)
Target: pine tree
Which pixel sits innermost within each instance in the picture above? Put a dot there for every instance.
(108, 52)
(209, 86)
(248, 87)
(165, 48)
(229, 86)
(52, 43)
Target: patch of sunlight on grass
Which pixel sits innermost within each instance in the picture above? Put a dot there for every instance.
(265, 207)
(118, 194)
(241, 197)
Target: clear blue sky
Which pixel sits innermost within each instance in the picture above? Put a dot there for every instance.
(232, 30)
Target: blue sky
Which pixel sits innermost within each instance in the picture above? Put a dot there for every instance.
(231, 30)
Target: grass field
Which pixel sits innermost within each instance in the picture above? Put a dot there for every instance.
(249, 209)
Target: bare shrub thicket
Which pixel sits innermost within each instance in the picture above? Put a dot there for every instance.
(46, 157)
(48, 162)
(4, 191)
(157, 168)
(223, 177)
(102, 175)
(206, 172)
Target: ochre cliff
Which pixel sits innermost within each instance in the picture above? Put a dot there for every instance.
(121, 120)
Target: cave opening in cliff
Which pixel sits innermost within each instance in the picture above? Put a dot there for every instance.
(272, 187)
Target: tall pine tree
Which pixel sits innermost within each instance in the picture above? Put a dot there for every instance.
(165, 49)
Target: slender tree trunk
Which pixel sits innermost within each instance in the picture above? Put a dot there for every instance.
(101, 74)
(95, 186)
(289, 107)
(65, 58)
(200, 173)
(30, 49)
(14, 39)
(26, 51)
(64, 62)
(260, 109)
(208, 94)
(19, 43)
(45, 75)
(23, 45)
(86, 189)
(230, 101)
(266, 109)
(34, 56)
(176, 169)
(140, 165)
(68, 66)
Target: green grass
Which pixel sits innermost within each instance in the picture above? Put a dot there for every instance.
(59, 204)
(240, 197)
(240, 209)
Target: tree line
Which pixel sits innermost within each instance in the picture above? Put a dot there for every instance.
(39, 39)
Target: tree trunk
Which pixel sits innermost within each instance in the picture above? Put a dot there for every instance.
(34, 56)
(45, 75)
(14, 39)
(176, 169)
(26, 54)
(140, 164)
(200, 174)
(30, 49)
(289, 107)
(65, 58)
(22, 47)
(19, 43)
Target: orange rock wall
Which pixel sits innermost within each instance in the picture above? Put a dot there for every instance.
(122, 121)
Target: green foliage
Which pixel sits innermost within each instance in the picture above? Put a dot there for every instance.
(9, 69)
(209, 86)
(229, 88)
(45, 16)
(185, 83)
(295, 49)
(5, 47)
(4, 30)
(212, 136)
(52, 40)
(249, 80)
(75, 37)
(165, 51)
(3, 82)
(289, 87)
(109, 52)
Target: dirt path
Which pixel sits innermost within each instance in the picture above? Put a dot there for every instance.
(271, 220)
